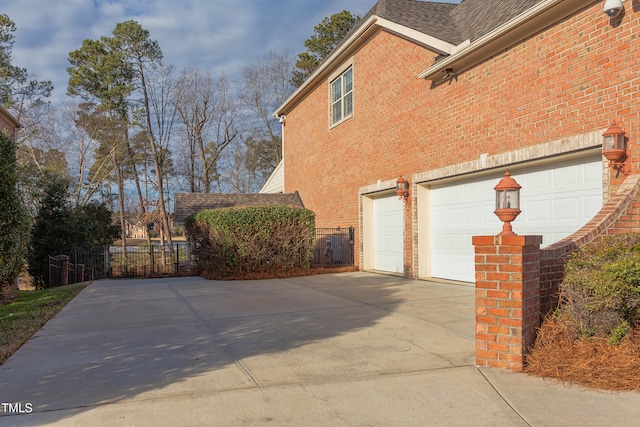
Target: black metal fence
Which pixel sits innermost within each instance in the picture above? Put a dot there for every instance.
(334, 246)
(150, 261)
(116, 262)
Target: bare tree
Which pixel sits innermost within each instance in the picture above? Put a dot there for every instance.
(82, 143)
(265, 85)
(161, 83)
(207, 112)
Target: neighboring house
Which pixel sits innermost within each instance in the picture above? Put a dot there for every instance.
(137, 230)
(8, 124)
(449, 97)
(189, 203)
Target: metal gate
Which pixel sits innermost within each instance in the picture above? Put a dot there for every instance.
(334, 246)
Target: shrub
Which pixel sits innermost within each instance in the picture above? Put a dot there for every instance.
(236, 241)
(600, 294)
(14, 222)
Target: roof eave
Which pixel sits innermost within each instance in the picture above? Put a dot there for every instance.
(517, 29)
(10, 117)
(368, 29)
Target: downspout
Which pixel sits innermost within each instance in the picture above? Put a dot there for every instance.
(282, 119)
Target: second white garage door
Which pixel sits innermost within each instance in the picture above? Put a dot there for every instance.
(556, 200)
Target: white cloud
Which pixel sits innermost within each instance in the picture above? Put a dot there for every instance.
(218, 36)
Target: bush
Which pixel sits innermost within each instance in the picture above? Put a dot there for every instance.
(600, 294)
(237, 241)
(14, 222)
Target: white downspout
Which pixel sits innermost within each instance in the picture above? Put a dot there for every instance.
(282, 119)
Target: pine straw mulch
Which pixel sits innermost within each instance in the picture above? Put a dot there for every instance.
(280, 274)
(591, 362)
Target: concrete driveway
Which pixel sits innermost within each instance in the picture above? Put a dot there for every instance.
(352, 349)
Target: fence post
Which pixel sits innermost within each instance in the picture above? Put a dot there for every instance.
(63, 273)
(177, 257)
(152, 261)
(53, 266)
(107, 262)
(75, 266)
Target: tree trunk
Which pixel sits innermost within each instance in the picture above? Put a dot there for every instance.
(123, 225)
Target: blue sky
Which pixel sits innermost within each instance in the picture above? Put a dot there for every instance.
(218, 36)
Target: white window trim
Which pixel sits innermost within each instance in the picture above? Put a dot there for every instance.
(332, 78)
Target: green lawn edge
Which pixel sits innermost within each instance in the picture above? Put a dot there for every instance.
(30, 310)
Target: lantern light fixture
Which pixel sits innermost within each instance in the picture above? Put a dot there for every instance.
(402, 188)
(507, 202)
(614, 148)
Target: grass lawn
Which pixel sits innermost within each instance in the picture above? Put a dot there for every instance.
(22, 317)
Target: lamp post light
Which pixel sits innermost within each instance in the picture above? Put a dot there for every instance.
(507, 202)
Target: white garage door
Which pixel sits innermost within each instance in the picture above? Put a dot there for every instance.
(388, 254)
(555, 200)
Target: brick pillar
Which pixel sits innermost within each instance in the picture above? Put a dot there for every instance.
(507, 298)
(63, 273)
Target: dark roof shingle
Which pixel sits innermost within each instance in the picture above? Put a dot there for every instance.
(450, 22)
(475, 18)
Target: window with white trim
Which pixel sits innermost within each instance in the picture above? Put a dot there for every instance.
(342, 97)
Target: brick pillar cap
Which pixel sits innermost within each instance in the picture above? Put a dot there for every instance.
(514, 240)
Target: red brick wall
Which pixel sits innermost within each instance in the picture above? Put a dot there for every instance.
(571, 79)
(507, 299)
(517, 283)
(620, 215)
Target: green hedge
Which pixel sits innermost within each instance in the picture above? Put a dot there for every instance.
(234, 241)
(600, 294)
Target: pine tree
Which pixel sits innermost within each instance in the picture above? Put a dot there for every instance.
(328, 34)
(52, 232)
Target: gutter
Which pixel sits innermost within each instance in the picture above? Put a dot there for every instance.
(541, 16)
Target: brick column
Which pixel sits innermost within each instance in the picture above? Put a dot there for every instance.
(507, 298)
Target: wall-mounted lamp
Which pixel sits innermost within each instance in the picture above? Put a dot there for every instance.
(612, 8)
(507, 202)
(402, 188)
(614, 148)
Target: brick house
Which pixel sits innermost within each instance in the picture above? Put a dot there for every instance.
(450, 96)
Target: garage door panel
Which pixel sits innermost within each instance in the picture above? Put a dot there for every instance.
(536, 181)
(473, 215)
(388, 241)
(566, 176)
(455, 217)
(472, 190)
(592, 203)
(566, 209)
(538, 210)
(556, 200)
(453, 265)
